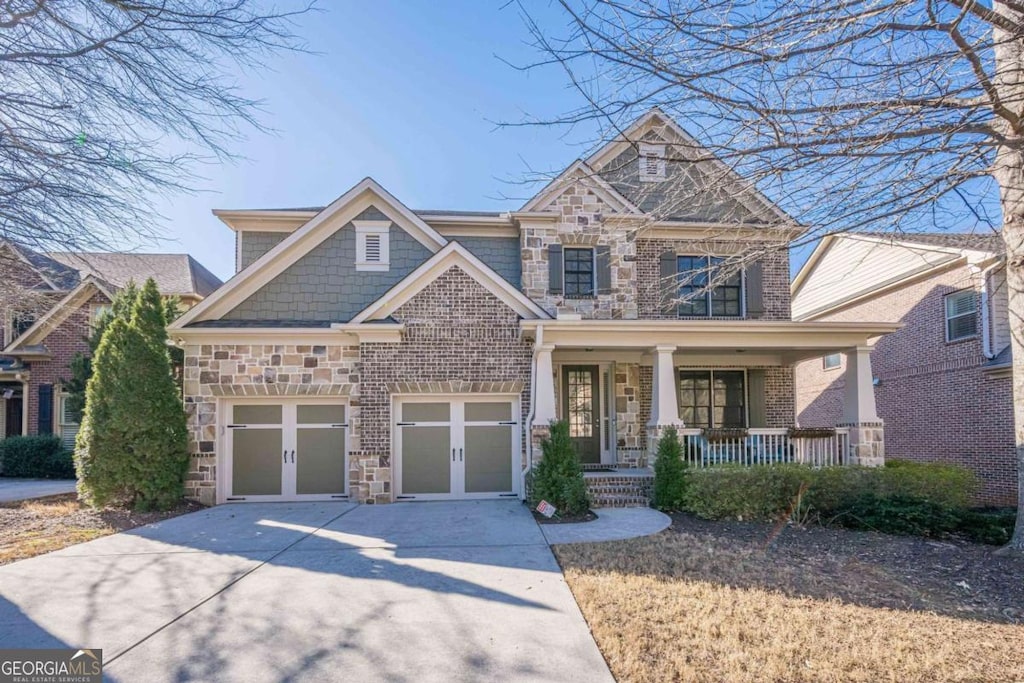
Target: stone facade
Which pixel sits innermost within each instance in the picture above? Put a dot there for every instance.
(254, 370)
(580, 222)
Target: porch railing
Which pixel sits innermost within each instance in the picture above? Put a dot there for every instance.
(766, 447)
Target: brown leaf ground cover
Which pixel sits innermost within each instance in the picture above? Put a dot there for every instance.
(728, 601)
(34, 527)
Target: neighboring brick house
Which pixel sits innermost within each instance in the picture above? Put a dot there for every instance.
(369, 351)
(943, 382)
(46, 318)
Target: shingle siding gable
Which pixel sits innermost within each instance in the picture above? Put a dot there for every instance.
(500, 253)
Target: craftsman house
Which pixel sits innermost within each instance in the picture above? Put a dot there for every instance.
(49, 302)
(370, 351)
(943, 382)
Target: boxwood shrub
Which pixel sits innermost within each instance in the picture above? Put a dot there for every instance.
(42, 457)
(928, 499)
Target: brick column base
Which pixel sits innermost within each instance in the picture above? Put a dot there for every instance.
(867, 443)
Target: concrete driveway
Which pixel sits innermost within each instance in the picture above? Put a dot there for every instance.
(23, 489)
(311, 591)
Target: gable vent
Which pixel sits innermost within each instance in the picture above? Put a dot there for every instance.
(372, 245)
(373, 248)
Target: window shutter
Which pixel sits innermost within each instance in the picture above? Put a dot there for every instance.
(555, 268)
(757, 401)
(669, 278)
(45, 424)
(755, 290)
(603, 256)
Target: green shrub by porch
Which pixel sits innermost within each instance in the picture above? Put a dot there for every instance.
(669, 472)
(928, 499)
(132, 445)
(37, 457)
(558, 477)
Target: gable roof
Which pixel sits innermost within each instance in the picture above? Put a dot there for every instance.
(30, 340)
(366, 193)
(855, 266)
(454, 254)
(742, 190)
(175, 274)
(54, 274)
(580, 172)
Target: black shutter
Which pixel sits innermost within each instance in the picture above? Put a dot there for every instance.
(45, 409)
(669, 278)
(604, 269)
(555, 268)
(755, 290)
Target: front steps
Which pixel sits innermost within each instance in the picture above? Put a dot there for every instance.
(621, 488)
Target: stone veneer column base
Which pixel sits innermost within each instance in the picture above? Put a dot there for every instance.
(538, 433)
(867, 443)
(654, 433)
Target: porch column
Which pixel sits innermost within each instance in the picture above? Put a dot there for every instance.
(664, 400)
(867, 440)
(543, 398)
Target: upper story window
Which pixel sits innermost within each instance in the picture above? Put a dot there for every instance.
(579, 272)
(17, 323)
(723, 299)
(961, 315)
(373, 247)
(97, 311)
(652, 162)
(832, 361)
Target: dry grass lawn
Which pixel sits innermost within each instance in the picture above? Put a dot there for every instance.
(33, 527)
(681, 607)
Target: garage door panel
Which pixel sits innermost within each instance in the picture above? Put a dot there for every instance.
(488, 411)
(265, 414)
(488, 459)
(426, 460)
(329, 413)
(440, 411)
(256, 468)
(320, 463)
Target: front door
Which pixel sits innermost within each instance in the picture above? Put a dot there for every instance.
(581, 406)
(12, 417)
(456, 448)
(286, 451)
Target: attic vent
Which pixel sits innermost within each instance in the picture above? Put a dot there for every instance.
(372, 245)
(652, 162)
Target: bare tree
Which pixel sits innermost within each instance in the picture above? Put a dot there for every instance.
(105, 104)
(854, 115)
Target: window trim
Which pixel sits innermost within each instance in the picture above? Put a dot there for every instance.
(839, 361)
(593, 272)
(59, 415)
(947, 319)
(646, 150)
(708, 290)
(383, 230)
(711, 407)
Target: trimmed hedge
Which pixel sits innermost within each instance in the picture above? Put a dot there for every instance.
(39, 457)
(926, 499)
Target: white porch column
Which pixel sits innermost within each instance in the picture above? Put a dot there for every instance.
(867, 436)
(544, 388)
(859, 393)
(664, 401)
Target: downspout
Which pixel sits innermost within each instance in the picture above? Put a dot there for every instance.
(986, 333)
(528, 427)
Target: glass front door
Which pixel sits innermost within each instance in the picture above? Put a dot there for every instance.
(581, 406)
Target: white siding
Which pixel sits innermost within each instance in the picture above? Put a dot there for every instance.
(852, 266)
(1000, 301)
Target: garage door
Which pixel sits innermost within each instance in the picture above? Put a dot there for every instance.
(286, 451)
(456, 448)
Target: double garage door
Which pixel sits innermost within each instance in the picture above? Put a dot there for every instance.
(451, 448)
(291, 450)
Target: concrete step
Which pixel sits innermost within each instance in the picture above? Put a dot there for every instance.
(620, 502)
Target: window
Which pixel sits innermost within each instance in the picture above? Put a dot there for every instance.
(713, 398)
(373, 251)
(723, 299)
(652, 162)
(18, 324)
(578, 272)
(97, 311)
(832, 361)
(961, 318)
(69, 420)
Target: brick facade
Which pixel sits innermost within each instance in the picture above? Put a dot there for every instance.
(936, 399)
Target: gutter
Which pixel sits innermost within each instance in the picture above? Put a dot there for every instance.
(528, 436)
(986, 333)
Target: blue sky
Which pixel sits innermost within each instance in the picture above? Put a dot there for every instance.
(406, 93)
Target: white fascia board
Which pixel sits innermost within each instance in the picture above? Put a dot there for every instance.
(59, 313)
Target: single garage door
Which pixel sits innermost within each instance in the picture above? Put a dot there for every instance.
(290, 450)
(456, 448)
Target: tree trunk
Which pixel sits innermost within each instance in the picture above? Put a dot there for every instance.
(1009, 174)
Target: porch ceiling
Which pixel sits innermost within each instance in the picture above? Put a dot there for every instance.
(790, 341)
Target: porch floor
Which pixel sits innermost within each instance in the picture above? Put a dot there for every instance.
(613, 471)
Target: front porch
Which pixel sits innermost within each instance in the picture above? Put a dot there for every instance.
(726, 386)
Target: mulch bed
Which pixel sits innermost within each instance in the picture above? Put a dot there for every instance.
(951, 577)
(590, 516)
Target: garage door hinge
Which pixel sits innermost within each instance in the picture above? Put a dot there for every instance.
(405, 497)
(229, 498)
(405, 424)
(236, 426)
(508, 495)
(509, 422)
(340, 425)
